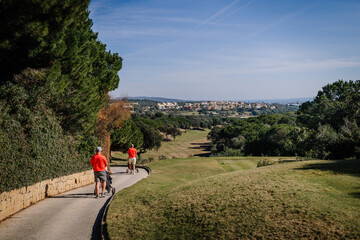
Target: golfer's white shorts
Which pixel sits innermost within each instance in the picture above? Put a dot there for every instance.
(132, 160)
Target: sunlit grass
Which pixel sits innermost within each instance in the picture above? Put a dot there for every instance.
(188, 144)
(203, 198)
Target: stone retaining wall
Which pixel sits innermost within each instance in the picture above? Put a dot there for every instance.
(18, 199)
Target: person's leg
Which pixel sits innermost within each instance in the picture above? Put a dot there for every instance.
(97, 185)
(134, 162)
(103, 185)
(131, 165)
(102, 178)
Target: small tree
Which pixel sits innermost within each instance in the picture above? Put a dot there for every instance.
(152, 138)
(128, 133)
(111, 117)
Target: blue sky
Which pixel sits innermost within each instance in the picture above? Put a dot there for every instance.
(230, 49)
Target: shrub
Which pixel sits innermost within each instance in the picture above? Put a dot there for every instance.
(265, 162)
(162, 157)
(146, 160)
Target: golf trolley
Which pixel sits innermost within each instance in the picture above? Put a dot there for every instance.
(108, 186)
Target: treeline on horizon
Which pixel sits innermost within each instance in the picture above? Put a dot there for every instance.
(325, 128)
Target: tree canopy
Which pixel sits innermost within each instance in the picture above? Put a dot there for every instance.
(55, 74)
(325, 128)
(332, 121)
(57, 37)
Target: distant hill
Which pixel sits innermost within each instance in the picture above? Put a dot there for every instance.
(157, 99)
(279, 100)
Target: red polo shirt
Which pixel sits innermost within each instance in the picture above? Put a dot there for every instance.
(98, 162)
(132, 152)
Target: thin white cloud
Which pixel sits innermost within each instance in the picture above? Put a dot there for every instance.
(95, 6)
(239, 8)
(128, 32)
(219, 13)
(231, 66)
(283, 19)
(309, 65)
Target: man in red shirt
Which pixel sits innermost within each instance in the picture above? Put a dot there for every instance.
(99, 163)
(132, 158)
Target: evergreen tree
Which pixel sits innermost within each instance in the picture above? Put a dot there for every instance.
(32, 34)
(56, 36)
(58, 73)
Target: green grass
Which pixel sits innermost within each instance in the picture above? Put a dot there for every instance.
(231, 164)
(190, 143)
(202, 198)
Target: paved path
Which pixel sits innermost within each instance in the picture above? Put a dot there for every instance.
(72, 215)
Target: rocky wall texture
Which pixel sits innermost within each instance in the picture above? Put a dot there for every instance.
(18, 199)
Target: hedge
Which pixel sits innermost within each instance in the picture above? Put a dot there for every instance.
(32, 142)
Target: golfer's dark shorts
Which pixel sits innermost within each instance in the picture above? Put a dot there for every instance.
(100, 176)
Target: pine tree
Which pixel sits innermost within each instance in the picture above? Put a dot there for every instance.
(33, 31)
(56, 35)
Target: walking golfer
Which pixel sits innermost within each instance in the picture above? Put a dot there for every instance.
(132, 158)
(99, 163)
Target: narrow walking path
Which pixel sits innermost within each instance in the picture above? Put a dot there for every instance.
(72, 215)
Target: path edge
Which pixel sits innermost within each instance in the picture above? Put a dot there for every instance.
(103, 225)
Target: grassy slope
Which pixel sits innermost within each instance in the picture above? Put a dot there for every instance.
(186, 145)
(199, 198)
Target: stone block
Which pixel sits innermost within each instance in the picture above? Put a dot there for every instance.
(18, 207)
(61, 186)
(29, 189)
(4, 196)
(26, 202)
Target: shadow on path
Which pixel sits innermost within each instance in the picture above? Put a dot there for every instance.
(96, 230)
(76, 195)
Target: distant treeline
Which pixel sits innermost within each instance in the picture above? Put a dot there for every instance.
(146, 131)
(325, 128)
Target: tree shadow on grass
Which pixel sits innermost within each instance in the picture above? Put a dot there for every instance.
(351, 167)
(347, 167)
(204, 147)
(356, 194)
